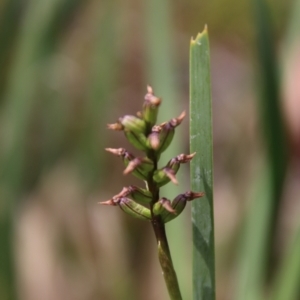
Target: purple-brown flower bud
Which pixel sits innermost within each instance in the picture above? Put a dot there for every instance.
(164, 175)
(178, 204)
(163, 204)
(153, 137)
(175, 162)
(189, 195)
(150, 107)
(139, 167)
(118, 152)
(162, 135)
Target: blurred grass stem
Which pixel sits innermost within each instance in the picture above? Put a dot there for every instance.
(257, 253)
(38, 37)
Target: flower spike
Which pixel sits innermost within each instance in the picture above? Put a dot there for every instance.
(145, 203)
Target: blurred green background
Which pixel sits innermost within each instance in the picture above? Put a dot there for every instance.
(69, 67)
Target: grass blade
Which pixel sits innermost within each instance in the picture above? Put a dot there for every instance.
(257, 245)
(202, 168)
(252, 257)
(286, 285)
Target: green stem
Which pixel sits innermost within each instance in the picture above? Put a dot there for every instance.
(164, 254)
(165, 259)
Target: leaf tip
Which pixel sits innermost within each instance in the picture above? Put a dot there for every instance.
(199, 35)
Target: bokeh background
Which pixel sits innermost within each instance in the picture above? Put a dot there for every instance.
(69, 67)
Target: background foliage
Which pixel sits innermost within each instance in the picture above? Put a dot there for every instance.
(68, 67)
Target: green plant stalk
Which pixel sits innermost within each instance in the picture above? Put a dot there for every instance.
(165, 259)
(202, 168)
(161, 74)
(286, 284)
(164, 254)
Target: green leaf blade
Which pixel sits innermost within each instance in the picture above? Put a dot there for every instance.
(202, 168)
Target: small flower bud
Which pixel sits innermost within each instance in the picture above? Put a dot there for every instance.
(133, 123)
(150, 107)
(140, 195)
(184, 158)
(117, 152)
(132, 165)
(138, 140)
(153, 137)
(193, 195)
(177, 121)
(124, 193)
(134, 209)
(164, 175)
(175, 162)
(116, 198)
(178, 204)
(161, 205)
(140, 166)
(134, 129)
(165, 132)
